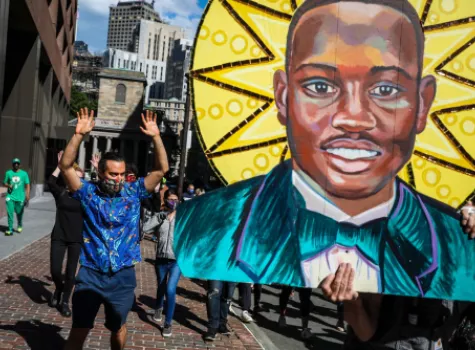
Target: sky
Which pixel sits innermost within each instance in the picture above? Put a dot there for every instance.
(94, 17)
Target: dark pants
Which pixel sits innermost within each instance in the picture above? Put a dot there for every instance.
(257, 294)
(220, 295)
(245, 292)
(340, 311)
(168, 275)
(304, 295)
(113, 290)
(58, 250)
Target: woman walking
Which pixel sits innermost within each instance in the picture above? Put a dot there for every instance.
(66, 236)
(166, 267)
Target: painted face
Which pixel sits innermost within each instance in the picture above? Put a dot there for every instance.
(352, 99)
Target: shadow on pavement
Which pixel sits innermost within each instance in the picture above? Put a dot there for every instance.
(34, 288)
(191, 295)
(38, 335)
(291, 331)
(182, 316)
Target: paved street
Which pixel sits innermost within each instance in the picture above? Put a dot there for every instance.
(26, 321)
(38, 222)
(322, 322)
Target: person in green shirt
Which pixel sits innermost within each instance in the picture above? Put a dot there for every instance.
(18, 184)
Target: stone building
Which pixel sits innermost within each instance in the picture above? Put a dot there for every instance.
(121, 103)
(36, 53)
(86, 69)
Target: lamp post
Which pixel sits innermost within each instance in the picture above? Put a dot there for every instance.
(184, 140)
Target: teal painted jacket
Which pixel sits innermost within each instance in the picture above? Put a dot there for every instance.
(258, 231)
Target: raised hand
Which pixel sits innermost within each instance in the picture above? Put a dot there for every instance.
(95, 161)
(85, 122)
(150, 126)
(468, 219)
(339, 286)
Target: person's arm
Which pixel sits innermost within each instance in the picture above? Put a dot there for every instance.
(84, 126)
(27, 188)
(363, 315)
(361, 312)
(7, 181)
(161, 160)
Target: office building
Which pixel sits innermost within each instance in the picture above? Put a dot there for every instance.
(154, 42)
(36, 55)
(123, 20)
(178, 66)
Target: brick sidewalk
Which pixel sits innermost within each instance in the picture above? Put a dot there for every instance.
(26, 321)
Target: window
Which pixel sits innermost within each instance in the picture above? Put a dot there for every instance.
(148, 51)
(120, 93)
(118, 64)
(161, 74)
(141, 67)
(146, 71)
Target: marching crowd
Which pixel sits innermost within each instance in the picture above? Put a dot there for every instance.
(100, 223)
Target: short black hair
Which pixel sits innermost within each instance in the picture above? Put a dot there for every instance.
(114, 156)
(169, 192)
(132, 168)
(403, 6)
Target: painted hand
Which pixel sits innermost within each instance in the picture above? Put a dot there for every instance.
(468, 219)
(85, 122)
(339, 287)
(150, 127)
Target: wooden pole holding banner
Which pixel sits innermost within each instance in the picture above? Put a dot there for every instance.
(184, 139)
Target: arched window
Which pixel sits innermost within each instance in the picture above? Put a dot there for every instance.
(120, 93)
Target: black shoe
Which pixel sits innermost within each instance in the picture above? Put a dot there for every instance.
(223, 329)
(210, 334)
(55, 298)
(65, 310)
(167, 331)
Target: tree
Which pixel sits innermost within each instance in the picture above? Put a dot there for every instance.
(80, 100)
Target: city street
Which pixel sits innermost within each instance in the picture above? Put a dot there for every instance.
(26, 321)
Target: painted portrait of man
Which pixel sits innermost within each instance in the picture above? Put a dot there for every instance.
(353, 99)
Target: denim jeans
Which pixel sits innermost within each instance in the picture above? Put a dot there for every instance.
(168, 275)
(220, 295)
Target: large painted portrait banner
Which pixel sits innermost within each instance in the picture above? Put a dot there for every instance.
(344, 131)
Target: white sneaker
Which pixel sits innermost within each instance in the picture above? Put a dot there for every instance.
(246, 318)
(306, 333)
(282, 321)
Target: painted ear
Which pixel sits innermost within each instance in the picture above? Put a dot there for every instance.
(427, 91)
(280, 95)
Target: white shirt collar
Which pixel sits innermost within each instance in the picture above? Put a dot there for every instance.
(315, 201)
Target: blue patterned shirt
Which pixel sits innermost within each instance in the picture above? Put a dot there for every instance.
(111, 226)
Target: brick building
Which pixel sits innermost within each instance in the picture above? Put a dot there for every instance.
(36, 51)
